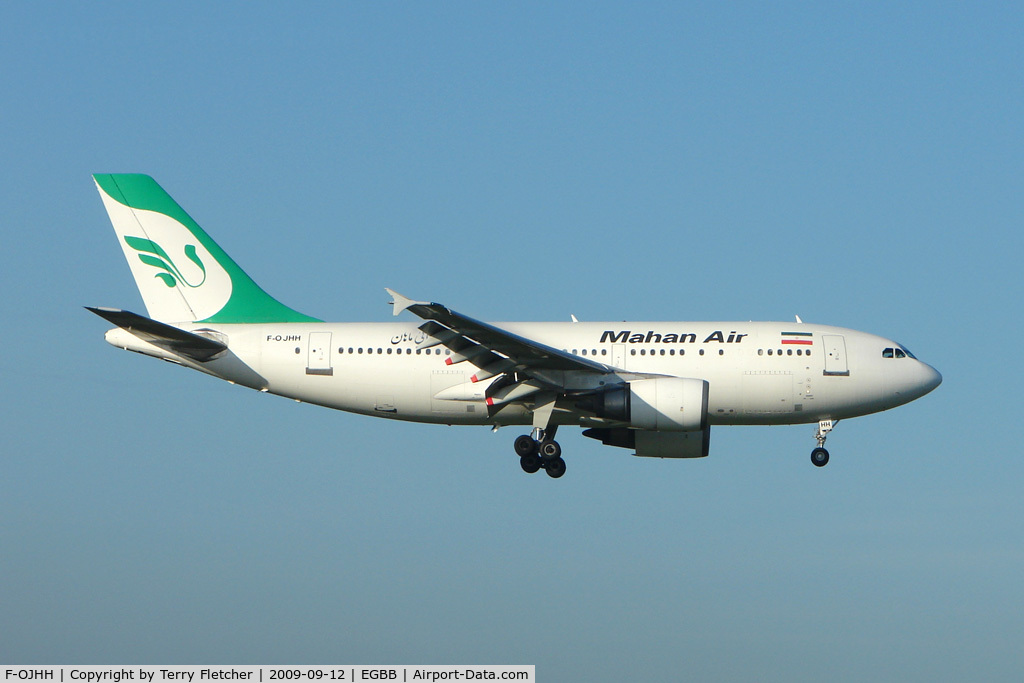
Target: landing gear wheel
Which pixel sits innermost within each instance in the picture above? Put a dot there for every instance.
(550, 450)
(525, 446)
(555, 467)
(530, 463)
(819, 456)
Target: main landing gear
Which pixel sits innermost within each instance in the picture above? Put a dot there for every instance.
(819, 456)
(540, 450)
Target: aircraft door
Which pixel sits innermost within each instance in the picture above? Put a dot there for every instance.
(619, 355)
(835, 354)
(319, 360)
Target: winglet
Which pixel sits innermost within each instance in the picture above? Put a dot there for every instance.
(401, 303)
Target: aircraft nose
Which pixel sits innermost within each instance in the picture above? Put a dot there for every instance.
(914, 381)
(930, 378)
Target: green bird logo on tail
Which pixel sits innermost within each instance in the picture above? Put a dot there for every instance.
(152, 254)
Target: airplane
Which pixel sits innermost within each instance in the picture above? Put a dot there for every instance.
(655, 388)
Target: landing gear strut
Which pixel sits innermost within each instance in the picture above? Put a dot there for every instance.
(540, 450)
(819, 456)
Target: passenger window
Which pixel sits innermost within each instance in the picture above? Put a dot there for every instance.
(789, 352)
(760, 352)
(887, 353)
(721, 352)
(643, 352)
(604, 352)
(671, 352)
(663, 352)
(769, 352)
(632, 352)
(701, 352)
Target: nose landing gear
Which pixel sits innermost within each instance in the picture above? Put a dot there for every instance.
(819, 456)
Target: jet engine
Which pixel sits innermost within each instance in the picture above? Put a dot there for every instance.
(656, 444)
(661, 404)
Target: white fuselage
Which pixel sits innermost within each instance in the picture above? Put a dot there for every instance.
(758, 372)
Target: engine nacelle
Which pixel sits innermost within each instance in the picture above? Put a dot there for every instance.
(661, 404)
(656, 444)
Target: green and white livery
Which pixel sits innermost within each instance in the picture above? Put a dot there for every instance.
(182, 274)
(655, 388)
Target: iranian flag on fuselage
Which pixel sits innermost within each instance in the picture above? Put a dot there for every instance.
(798, 338)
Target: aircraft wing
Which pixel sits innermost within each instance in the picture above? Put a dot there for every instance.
(488, 347)
(168, 337)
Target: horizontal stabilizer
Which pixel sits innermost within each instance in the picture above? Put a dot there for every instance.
(167, 337)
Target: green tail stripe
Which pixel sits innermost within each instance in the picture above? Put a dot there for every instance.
(248, 302)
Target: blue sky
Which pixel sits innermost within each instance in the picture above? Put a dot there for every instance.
(856, 165)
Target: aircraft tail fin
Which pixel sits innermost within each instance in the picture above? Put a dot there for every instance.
(182, 274)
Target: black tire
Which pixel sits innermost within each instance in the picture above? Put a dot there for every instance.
(555, 467)
(819, 456)
(529, 463)
(525, 446)
(550, 450)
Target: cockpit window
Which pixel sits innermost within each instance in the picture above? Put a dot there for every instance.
(898, 352)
